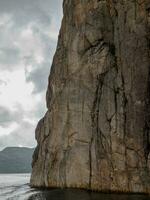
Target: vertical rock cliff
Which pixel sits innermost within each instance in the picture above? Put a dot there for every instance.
(96, 132)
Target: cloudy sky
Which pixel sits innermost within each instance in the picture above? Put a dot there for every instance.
(28, 34)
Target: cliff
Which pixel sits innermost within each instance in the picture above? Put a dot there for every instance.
(96, 132)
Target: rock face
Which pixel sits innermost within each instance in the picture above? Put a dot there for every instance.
(96, 132)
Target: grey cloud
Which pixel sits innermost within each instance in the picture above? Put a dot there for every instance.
(39, 77)
(35, 10)
(28, 60)
(3, 82)
(15, 5)
(7, 116)
(43, 18)
(23, 135)
(40, 111)
(9, 56)
(49, 44)
(39, 15)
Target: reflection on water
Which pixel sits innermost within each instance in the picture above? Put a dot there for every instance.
(16, 187)
(74, 194)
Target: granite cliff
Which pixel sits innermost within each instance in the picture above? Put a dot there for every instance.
(96, 132)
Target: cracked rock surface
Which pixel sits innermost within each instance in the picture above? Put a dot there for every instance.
(96, 132)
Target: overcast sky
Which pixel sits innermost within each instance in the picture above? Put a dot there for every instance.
(28, 35)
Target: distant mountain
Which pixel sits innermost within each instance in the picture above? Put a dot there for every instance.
(16, 160)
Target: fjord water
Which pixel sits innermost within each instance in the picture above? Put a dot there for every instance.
(16, 187)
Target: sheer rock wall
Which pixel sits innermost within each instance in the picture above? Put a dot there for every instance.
(96, 132)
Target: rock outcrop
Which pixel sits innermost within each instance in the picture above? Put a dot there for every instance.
(96, 132)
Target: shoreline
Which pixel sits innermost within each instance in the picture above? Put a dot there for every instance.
(88, 190)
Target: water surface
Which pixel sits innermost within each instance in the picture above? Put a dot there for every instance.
(16, 187)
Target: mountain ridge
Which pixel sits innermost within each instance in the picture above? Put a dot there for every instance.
(16, 160)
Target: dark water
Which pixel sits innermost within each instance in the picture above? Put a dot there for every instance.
(16, 187)
(72, 194)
